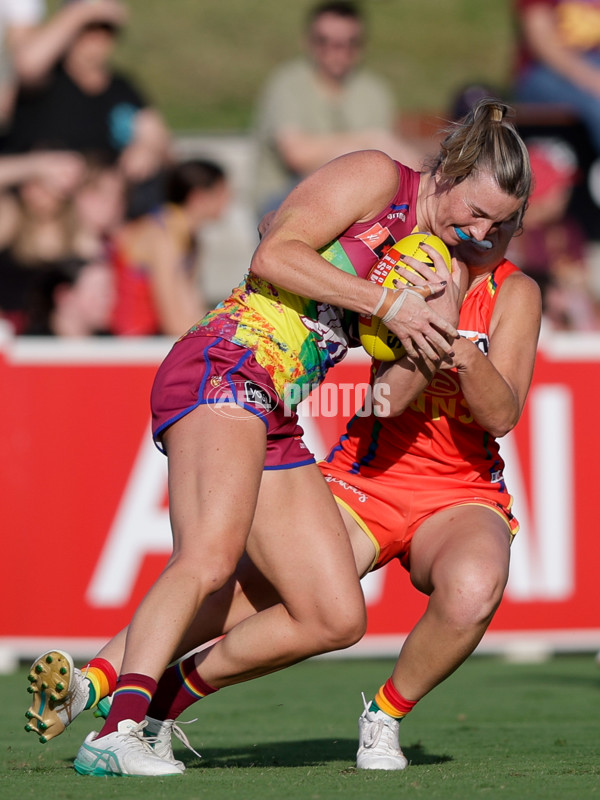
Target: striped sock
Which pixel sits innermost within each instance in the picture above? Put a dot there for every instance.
(389, 700)
(102, 677)
(131, 699)
(179, 687)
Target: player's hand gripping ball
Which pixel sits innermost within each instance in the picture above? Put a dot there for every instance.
(379, 342)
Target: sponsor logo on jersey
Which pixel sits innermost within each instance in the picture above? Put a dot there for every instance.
(378, 239)
(398, 211)
(256, 395)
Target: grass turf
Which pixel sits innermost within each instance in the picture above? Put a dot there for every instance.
(492, 730)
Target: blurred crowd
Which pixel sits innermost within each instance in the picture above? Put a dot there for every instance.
(101, 225)
(99, 222)
(557, 79)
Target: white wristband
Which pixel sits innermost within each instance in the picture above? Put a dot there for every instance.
(380, 303)
(398, 303)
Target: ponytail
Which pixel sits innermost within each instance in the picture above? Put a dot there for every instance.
(485, 141)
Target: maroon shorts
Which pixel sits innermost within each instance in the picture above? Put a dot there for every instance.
(208, 370)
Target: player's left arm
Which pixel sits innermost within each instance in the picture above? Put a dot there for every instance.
(495, 386)
(398, 383)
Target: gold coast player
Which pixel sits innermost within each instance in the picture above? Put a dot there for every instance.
(425, 485)
(234, 360)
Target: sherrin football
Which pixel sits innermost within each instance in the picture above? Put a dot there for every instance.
(378, 341)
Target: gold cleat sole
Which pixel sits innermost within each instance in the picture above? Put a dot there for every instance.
(49, 681)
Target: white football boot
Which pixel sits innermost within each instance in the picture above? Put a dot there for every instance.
(125, 752)
(160, 733)
(378, 746)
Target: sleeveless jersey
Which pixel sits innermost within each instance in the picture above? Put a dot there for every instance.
(296, 339)
(436, 436)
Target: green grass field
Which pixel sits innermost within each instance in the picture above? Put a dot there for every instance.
(493, 730)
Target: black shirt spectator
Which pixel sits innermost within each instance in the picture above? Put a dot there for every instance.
(85, 106)
(60, 115)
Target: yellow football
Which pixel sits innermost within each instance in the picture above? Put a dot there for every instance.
(378, 341)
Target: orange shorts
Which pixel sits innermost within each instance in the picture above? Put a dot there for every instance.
(390, 510)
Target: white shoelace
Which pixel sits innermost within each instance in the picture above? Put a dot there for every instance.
(372, 733)
(364, 699)
(138, 732)
(175, 730)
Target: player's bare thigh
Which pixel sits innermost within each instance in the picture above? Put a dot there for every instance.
(455, 540)
(362, 547)
(215, 469)
(299, 542)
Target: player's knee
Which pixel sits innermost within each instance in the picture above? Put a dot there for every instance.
(208, 574)
(474, 600)
(343, 627)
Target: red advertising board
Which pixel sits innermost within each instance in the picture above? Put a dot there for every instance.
(85, 515)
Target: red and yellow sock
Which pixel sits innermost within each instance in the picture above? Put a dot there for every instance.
(102, 677)
(389, 700)
(179, 687)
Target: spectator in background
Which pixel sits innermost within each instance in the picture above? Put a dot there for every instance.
(17, 19)
(72, 299)
(552, 247)
(31, 47)
(83, 105)
(321, 106)
(559, 57)
(37, 227)
(44, 223)
(62, 170)
(100, 204)
(155, 256)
